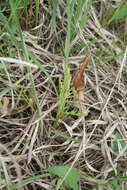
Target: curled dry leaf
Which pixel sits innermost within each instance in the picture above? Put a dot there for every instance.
(78, 81)
(5, 107)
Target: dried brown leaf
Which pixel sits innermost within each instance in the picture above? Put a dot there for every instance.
(78, 81)
(5, 108)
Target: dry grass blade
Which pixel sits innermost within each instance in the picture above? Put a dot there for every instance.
(20, 62)
(33, 139)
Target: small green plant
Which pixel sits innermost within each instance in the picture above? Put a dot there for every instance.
(118, 143)
(64, 92)
(68, 175)
(119, 13)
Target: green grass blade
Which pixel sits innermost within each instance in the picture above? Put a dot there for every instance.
(70, 8)
(87, 10)
(37, 10)
(7, 176)
(54, 15)
(120, 13)
(4, 20)
(64, 135)
(28, 180)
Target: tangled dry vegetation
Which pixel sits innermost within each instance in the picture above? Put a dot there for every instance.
(42, 124)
